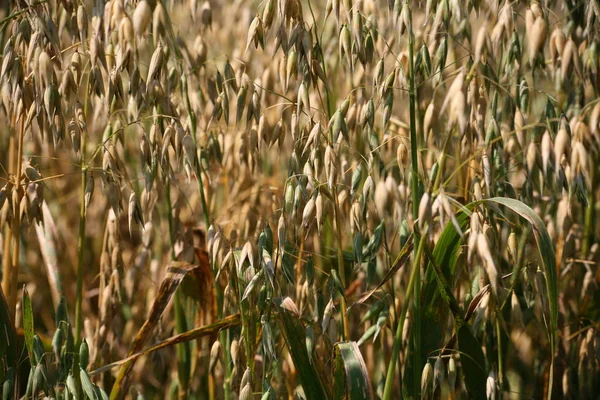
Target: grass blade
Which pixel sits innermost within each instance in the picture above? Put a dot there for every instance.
(435, 311)
(472, 362)
(313, 382)
(548, 258)
(546, 250)
(351, 375)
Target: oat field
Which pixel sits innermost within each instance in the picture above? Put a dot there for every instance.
(300, 199)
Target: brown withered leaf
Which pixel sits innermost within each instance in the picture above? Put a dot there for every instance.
(199, 283)
(205, 284)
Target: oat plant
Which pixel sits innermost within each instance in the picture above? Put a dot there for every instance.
(299, 199)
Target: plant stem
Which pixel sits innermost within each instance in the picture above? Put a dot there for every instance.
(80, 247)
(341, 267)
(183, 350)
(6, 261)
(218, 290)
(82, 223)
(413, 128)
(14, 273)
(416, 320)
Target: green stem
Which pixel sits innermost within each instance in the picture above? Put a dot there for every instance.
(219, 290)
(82, 223)
(183, 349)
(413, 128)
(16, 228)
(341, 267)
(224, 335)
(416, 200)
(80, 251)
(224, 338)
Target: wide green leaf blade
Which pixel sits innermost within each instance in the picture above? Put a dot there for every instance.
(312, 381)
(548, 258)
(472, 362)
(351, 375)
(546, 250)
(435, 311)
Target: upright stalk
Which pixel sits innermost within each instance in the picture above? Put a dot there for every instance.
(413, 123)
(218, 290)
(6, 261)
(416, 320)
(340, 251)
(183, 349)
(414, 285)
(80, 240)
(81, 234)
(14, 273)
(341, 267)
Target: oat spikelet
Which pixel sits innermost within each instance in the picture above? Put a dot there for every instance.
(536, 37)
(426, 378)
(141, 18)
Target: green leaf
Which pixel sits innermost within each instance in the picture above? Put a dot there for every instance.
(547, 254)
(472, 362)
(351, 375)
(548, 257)
(435, 311)
(438, 287)
(310, 374)
(28, 324)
